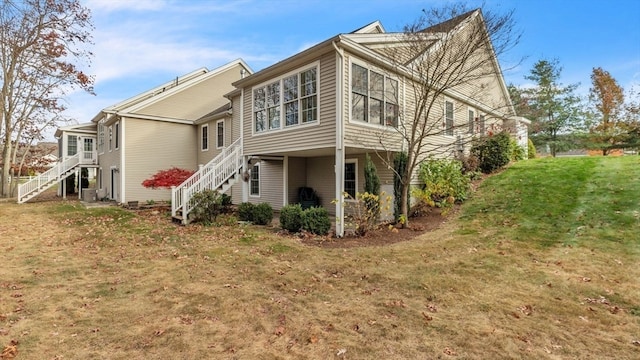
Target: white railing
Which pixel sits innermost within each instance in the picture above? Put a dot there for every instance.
(47, 178)
(211, 176)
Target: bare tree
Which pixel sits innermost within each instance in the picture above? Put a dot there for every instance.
(448, 53)
(42, 42)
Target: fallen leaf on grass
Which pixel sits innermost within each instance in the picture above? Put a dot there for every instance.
(158, 332)
(313, 339)
(449, 351)
(341, 352)
(636, 342)
(526, 309)
(426, 317)
(279, 330)
(10, 351)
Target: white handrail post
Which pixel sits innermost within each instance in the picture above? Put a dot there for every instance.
(173, 201)
(184, 205)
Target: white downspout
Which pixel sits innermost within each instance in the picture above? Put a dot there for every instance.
(339, 161)
(245, 166)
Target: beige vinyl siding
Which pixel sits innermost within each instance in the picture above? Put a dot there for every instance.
(297, 177)
(205, 156)
(363, 135)
(152, 146)
(321, 177)
(301, 137)
(196, 100)
(271, 184)
(107, 161)
(236, 191)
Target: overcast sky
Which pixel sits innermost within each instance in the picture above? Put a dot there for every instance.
(139, 44)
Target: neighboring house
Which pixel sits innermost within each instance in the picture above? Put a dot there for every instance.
(302, 122)
(130, 141)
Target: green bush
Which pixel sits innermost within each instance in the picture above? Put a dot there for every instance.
(517, 151)
(226, 201)
(291, 218)
(207, 205)
(245, 211)
(443, 183)
(493, 152)
(531, 149)
(316, 220)
(262, 214)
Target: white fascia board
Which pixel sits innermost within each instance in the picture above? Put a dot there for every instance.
(186, 84)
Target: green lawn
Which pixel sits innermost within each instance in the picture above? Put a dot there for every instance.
(541, 262)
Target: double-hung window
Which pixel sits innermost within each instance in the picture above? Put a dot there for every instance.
(220, 134)
(294, 98)
(374, 97)
(350, 178)
(204, 137)
(254, 184)
(472, 121)
(448, 118)
(117, 135)
(482, 124)
(110, 137)
(101, 136)
(72, 145)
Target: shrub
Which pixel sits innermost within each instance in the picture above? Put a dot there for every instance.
(361, 216)
(207, 205)
(443, 183)
(291, 218)
(470, 163)
(316, 220)
(531, 149)
(245, 211)
(167, 178)
(493, 152)
(262, 214)
(517, 151)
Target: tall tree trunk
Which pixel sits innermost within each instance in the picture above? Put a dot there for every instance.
(6, 165)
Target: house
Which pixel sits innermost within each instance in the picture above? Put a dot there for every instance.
(307, 121)
(303, 122)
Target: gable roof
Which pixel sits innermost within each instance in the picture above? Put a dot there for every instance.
(448, 25)
(373, 43)
(133, 105)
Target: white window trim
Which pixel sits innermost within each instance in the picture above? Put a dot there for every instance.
(453, 118)
(475, 116)
(283, 127)
(257, 165)
(110, 137)
(101, 137)
(204, 128)
(218, 146)
(352, 161)
(401, 90)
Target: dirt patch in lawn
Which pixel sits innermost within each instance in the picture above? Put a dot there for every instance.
(387, 234)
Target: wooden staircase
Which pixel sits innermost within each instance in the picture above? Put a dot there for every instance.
(218, 174)
(62, 170)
